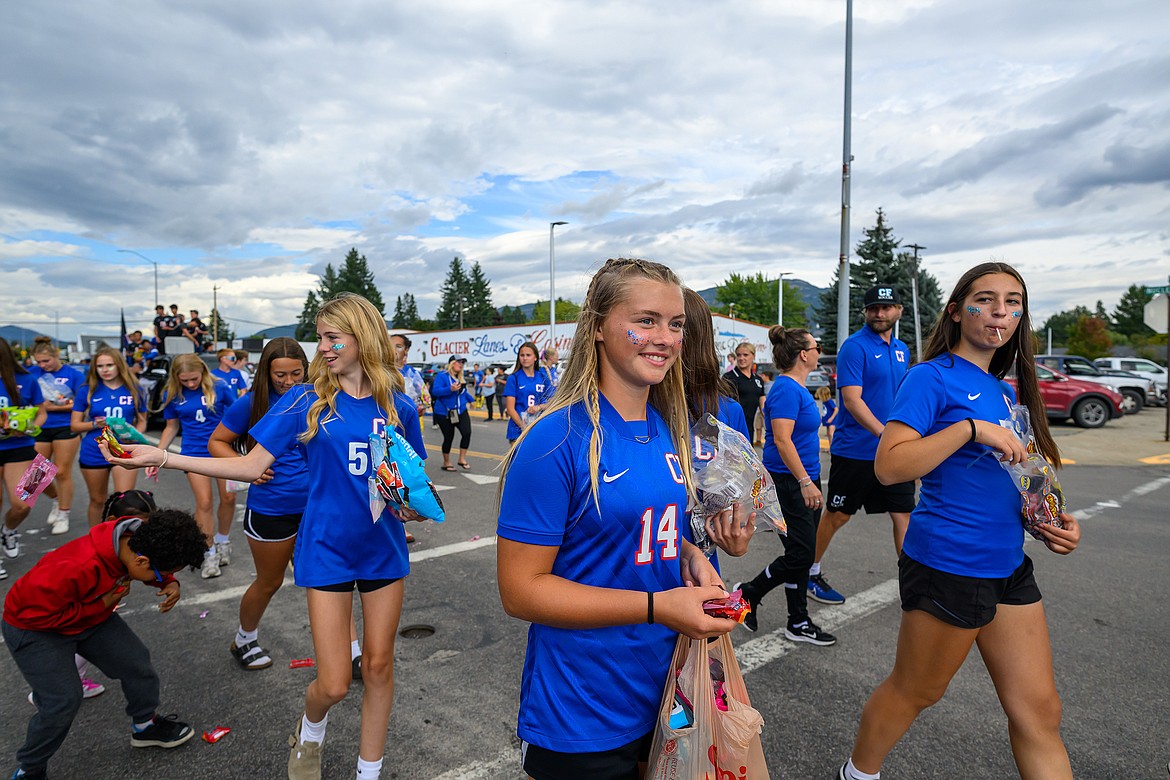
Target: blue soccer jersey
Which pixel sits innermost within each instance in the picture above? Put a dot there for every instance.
(528, 391)
(24, 385)
(586, 690)
(789, 400)
(197, 421)
(233, 378)
(338, 540)
(868, 362)
(288, 490)
(69, 381)
(119, 402)
(731, 414)
(967, 521)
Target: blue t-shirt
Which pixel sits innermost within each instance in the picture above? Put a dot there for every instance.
(967, 521)
(196, 420)
(731, 414)
(119, 402)
(69, 381)
(587, 690)
(528, 391)
(233, 378)
(868, 362)
(447, 395)
(25, 384)
(789, 400)
(338, 540)
(288, 490)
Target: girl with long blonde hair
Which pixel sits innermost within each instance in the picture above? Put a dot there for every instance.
(194, 402)
(355, 391)
(109, 391)
(594, 558)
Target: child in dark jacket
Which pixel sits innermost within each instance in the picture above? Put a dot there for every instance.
(65, 605)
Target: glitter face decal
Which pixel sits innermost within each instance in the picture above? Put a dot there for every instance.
(1016, 315)
(635, 339)
(337, 347)
(974, 310)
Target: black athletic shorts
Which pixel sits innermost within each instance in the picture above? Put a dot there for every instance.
(620, 763)
(363, 586)
(56, 434)
(17, 455)
(270, 528)
(965, 602)
(852, 485)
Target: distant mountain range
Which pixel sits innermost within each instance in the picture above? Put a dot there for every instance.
(15, 334)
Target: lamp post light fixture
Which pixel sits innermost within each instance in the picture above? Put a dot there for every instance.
(147, 259)
(731, 311)
(914, 300)
(780, 298)
(552, 285)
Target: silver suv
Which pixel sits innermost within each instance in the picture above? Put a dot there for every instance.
(1135, 390)
(1140, 366)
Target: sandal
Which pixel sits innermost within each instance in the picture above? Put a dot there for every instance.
(448, 468)
(251, 656)
(465, 466)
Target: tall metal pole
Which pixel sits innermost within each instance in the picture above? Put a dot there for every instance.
(215, 316)
(147, 259)
(552, 286)
(846, 164)
(914, 298)
(780, 298)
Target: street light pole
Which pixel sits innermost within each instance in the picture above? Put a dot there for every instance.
(780, 298)
(552, 286)
(147, 259)
(914, 298)
(846, 166)
(462, 301)
(731, 311)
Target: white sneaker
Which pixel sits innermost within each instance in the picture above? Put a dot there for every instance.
(3, 572)
(210, 566)
(58, 522)
(10, 540)
(224, 551)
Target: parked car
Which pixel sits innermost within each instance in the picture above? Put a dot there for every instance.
(1139, 366)
(1136, 390)
(1089, 404)
(153, 382)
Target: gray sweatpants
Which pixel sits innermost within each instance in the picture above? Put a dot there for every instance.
(46, 661)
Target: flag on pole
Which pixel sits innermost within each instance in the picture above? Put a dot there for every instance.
(122, 345)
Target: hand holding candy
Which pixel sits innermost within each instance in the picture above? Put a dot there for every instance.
(1061, 540)
(734, 607)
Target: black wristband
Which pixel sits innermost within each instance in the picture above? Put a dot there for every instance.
(649, 607)
(972, 430)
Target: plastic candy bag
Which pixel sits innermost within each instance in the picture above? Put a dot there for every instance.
(1041, 499)
(53, 392)
(399, 479)
(126, 433)
(35, 479)
(728, 470)
(18, 419)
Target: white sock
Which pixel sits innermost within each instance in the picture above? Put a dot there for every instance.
(244, 637)
(210, 553)
(313, 732)
(222, 539)
(853, 773)
(354, 649)
(144, 725)
(815, 569)
(63, 514)
(56, 504)
(369, 770)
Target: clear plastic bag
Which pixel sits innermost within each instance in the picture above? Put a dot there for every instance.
(727, 470)
(35, 479)
(53, 392)
(1041, 499)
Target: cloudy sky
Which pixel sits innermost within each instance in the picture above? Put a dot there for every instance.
(243, 144)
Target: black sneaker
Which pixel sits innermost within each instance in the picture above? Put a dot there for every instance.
(165, 732)
(749, 622)
(357, 669)
(808, 632)
(841, 773)
(27, 774)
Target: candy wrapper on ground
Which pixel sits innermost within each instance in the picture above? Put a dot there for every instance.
(53, 392)
(126, 433)
(399, 479)
(727, 471)
(35, 479)
(18, 419)
(1041, 498)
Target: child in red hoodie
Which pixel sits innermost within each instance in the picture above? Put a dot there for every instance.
(65, 605)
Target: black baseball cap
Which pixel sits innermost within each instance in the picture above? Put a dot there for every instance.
(453, 358)
(881, 295)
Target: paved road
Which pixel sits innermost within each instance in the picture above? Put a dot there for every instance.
(457, 689)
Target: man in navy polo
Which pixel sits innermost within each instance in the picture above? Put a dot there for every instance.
(870, 367)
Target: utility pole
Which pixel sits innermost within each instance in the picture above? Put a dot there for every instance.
(846, 164)
(215, 316)
(914, 298)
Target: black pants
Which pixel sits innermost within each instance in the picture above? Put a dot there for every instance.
(800, 546)
(503, 402)
(489, 404)
(448, 429)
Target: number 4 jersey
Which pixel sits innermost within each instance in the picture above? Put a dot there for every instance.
(596, 689)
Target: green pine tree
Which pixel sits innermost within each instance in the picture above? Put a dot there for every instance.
(355, 276)
(1129, 316)
(480, 311)
(455, 293)
(307, 325)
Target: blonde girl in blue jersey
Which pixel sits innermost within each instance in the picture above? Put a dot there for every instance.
(109, 391)
(595, 559)
(354, 390)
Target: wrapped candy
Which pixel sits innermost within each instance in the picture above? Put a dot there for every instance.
(399, 479)
(18, 419)
(35, 479)
(727, 471)
(1041, 499)
(126, 433)
(734, 607)
(115, 447)
(53, 392)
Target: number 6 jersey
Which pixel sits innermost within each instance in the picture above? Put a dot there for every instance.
(596, 689)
